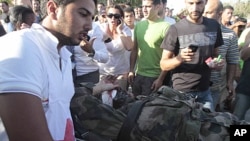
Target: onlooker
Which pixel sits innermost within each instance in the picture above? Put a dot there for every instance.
(21, 17)
(5, 19)
(163, 12)
(4, 8)
(187, 46)
(226, 17)
(101, 17)
(222, 88)
(138, 13)
(100, 7)
(118, 41)
(146, 54)
(242, 101)
(239, 26)
(36, 9)
(88, 56)
(36, 77)
(129, 18)
(2, 31)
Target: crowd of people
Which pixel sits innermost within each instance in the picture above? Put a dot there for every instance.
(50, 47)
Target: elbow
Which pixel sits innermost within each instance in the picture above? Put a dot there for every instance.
(162, 65)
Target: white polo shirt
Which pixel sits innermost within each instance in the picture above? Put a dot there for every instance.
(29, 62)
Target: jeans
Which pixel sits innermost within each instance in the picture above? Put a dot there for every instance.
(142, 85)
(242, 105)
(203, 97)
(216, 97)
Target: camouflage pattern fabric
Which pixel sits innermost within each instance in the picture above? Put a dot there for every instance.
(95, 116)
(167, 116)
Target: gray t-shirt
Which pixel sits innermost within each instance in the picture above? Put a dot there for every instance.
(193, 75)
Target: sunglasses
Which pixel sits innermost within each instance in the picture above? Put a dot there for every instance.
(116, 16)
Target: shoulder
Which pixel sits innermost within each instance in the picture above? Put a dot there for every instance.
(211, 22)
(142, 22)
(18, 39)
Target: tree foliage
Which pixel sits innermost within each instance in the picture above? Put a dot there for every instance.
(241, 8)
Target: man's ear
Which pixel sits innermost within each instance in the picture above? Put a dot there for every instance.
(52, 9)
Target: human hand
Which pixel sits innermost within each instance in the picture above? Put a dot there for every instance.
(87, 45)
(217, 64)
(24, 25)
(131, 77)
(156, 85)
(239, 23)
(120, 26)
(231, 91)
(106, 84)
(185, 55)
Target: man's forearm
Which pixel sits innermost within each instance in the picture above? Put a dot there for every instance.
(245, 53)
(162, 75)
(231, 69)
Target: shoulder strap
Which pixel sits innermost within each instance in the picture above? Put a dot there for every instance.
(130, 121)
(71, 49)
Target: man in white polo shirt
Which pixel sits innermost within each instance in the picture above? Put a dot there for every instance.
(36, 80)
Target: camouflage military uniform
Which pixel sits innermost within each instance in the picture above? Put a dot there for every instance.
(166, 116)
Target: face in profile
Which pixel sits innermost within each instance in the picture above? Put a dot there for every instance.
(74, 21)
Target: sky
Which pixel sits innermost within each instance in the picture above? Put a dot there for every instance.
(177, 5)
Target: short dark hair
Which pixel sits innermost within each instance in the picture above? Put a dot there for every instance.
(129, 10)
(18, 14)
(155, 2)
(228, 7)
(5, 2)
(164, 1)
(63, 3)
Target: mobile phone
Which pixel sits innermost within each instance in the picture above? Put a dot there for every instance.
(119, 22)
(87, 37)
(193, 48)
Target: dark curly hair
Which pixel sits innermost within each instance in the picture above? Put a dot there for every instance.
(61, 3)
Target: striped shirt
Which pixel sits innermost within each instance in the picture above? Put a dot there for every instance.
(229, 52)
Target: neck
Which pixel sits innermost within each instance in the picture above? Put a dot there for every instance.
(198, 21)
(154, 19)
(47, 25)
(131, 26)
(225, 23)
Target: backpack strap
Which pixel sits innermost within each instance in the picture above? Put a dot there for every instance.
(130, 121)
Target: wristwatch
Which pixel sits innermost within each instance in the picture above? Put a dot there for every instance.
(91, 54)
(108, 40)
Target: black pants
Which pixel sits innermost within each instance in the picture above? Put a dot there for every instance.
(90, 77)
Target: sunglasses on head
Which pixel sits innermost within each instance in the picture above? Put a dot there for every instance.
(116, 16)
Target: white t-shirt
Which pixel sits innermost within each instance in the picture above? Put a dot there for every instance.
(85, 64)
(30, 64)
(118, 62)
(169, 20)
